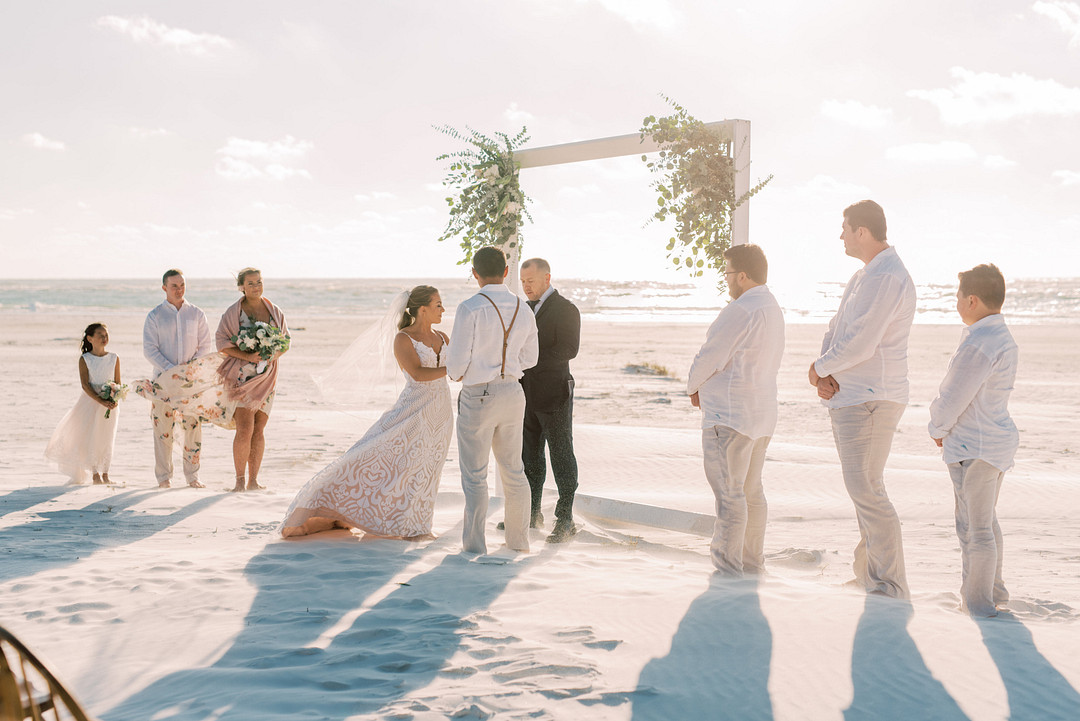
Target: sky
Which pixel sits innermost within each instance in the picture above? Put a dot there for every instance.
(300, 137)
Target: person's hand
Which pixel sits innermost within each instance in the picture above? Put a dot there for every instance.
(695, 401)
(827, 387)
(937, 441)
(813, 376)
(253, 357)
(109, 404)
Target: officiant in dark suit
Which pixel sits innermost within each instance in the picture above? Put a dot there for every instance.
(549, 398)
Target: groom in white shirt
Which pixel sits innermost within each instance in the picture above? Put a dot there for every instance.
(861, 376)
(175, 332)
(733, 382)
(493, 342)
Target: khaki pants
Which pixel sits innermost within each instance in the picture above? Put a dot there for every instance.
(164, 418)
(976, 485)
(490, 418)
(733, 464)
(863, 435)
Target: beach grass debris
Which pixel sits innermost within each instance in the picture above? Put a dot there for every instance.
(648, 369)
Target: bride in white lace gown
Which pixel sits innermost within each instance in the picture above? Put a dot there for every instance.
(386, 483)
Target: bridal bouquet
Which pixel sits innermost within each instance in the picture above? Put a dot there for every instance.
(262, 338)
(113, 392)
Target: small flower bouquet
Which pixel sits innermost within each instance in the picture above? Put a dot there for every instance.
(261, 338)
(113, 392)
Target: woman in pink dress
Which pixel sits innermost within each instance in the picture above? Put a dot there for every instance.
(387, 482)
(249, 380)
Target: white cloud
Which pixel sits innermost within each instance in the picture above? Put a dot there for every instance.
(377, 195)
(855, 113)
(279, 150)
(37, 140)
(989, 97)
(579, 191)
(998, 161)
(1065, 14)
(142, 133)
(13, 213)
(255, 159)
(517, 116)
(144, 31)
(1067, 177)
(946, 151)
(828, 185)
(644, 15)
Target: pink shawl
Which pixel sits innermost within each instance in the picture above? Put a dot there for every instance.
(254, 391)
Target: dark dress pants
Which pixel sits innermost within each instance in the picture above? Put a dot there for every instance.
(555, 428)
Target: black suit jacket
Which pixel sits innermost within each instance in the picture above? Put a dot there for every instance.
(549, 384)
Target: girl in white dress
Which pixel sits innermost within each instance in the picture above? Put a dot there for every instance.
(386, 483)
(83, 442)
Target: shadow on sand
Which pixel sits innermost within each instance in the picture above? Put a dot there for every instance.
(61, 538)
(309, 636)
(718, 665)
(23, 498)
(891, 679)
(1036, 689)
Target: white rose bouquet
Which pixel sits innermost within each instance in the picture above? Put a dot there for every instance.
(113, 392)
(261, 338)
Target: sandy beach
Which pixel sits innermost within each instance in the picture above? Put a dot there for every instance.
(185, 604)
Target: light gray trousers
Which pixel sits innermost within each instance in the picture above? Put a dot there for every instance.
(976, 485)
(733, 464)
(863, 435)
(490, 418)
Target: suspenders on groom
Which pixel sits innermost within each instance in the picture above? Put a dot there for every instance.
(506, 331)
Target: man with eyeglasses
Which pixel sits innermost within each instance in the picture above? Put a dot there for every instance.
(861, 376)
(733, 381)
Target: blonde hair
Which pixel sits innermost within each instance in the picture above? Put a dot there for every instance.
(240, 276)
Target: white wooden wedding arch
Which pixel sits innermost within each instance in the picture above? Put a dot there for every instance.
(735, 132)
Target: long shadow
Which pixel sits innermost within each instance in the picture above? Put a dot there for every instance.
(891, 679)
(1036, 689)
(23, 498)
(60, 538)
(718, 663)
(305, 589)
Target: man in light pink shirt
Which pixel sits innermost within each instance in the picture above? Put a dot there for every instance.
(733, 381)
(861, 376)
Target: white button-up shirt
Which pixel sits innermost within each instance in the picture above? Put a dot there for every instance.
(865, 348)
(172, 337)
(476, 345)
(971, 411)
(734, 373)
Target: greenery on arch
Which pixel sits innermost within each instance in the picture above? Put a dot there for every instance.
(489, 208)
(695, 187)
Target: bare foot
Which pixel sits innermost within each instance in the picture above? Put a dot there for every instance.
(97, 479)
(253, 485)
(421, 537)
(164, 484)
(239, 487)
(195, 484)
(105, 478)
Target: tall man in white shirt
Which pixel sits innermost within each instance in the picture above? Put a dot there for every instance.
(970, 422)
(861, 376)
(175, 332)
(733, 381)
(493, 342)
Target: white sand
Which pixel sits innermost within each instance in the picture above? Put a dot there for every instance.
(183, 604)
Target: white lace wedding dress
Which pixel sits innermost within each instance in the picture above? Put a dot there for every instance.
(386, 483)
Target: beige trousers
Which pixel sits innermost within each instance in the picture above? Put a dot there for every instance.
(490, 419)
(976, 485)
(733, 464)
(164, 418)
(863, 435)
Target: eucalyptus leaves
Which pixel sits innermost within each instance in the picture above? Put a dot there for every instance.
(490, 206)
(696, 186)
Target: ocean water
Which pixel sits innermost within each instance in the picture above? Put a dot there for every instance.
(1028, 301)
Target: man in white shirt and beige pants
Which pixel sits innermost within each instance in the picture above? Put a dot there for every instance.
(733, 381)
(175, 332)
(861, 376)
(493, 342)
